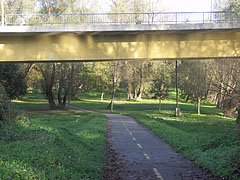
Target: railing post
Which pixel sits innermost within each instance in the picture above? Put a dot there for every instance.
(203, 17)
(176, 18)
(148, 18)
(3, 17)
(231, 18)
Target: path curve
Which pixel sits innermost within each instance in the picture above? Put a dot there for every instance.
(145, 156)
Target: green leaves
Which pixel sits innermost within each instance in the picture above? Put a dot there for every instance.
(12, 79)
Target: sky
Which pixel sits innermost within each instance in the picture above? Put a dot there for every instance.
(175, 5)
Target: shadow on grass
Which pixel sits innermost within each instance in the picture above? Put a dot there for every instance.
(56, 146)
(143, 106)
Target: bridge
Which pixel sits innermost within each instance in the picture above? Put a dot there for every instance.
(119, 36)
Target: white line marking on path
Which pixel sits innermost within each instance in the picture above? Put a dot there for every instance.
(131, 133)
(146, 156)
(139, 145)
(157, 174)
(134, 138)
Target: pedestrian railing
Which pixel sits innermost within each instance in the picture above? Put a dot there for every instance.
(122, 18)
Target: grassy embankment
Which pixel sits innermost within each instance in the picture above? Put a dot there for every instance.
(209, 139)
(52, 144)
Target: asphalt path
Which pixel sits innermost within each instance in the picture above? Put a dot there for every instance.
(143, 155)
(146, 156)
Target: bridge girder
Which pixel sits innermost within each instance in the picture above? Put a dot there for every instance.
(120, 46)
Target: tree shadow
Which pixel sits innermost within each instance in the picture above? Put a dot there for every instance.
(59, 148)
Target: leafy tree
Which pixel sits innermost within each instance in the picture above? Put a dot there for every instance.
(58, 77)
(52, 6)
(12, 79)
(87, 77)
(4, 108)
(225, 84)
(48, 71)
(103, 78)
(232, 5)
(19, 6)
(161, 80)
(127, 78)
(137, 76)
(160, 92)
(193, 81)
(114, 84)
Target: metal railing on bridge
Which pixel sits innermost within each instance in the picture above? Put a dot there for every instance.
(122, 18)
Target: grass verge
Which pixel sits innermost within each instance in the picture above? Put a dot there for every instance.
(53, 145)
(209, 139)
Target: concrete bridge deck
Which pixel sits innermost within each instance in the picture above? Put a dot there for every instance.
(118, 29)
(119, 42)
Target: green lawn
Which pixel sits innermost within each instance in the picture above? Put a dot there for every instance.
(209, 139)
(53, 144)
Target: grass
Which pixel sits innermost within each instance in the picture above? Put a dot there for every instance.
(52, 144)
(209, 139)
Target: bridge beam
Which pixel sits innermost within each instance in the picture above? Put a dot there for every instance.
(126, 46)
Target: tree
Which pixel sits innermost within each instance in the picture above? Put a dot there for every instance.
(161, 80)
(52, 6)
(137, 77)
(126, 73)
(103, 80)
(231, 5)
(225, 84)
(12, 79)
(19, 6)
(58, 79)
(114, 84)
(48, 71)
(4, 108)
(238, 119)
(193, 81)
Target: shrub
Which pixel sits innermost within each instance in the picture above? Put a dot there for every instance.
(7, 111)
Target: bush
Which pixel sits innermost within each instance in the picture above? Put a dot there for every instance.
(238, 119)
(13, 80)
(7, 111)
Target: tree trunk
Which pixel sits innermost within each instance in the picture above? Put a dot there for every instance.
(129, 93)
(59, 95)
(195, 105)
(135, 93)
(159, 105)
(220, 97)
(199, 104)
(68, 93)
(102, 94)
(114, 86)
(129, 96)
(49, 79)
(75, 90)
(50, 98)
(140, 93)
(27, 69)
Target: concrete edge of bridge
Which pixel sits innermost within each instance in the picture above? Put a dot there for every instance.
(117, 29)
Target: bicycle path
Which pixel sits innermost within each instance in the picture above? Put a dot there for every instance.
(145, 156)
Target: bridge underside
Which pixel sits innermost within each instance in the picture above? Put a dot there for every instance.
(126, 46)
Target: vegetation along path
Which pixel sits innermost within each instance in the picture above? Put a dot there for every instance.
(144, 155)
